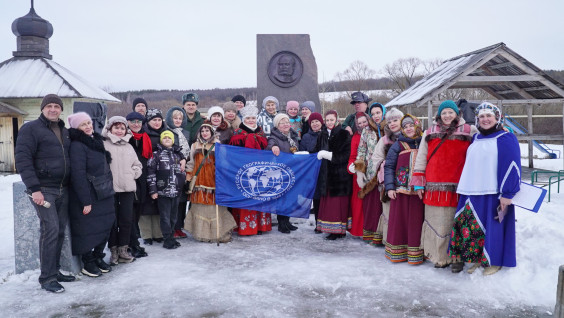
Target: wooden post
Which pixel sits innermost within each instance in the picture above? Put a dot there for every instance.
(409, 109)
(559, 307)
(562, 153)
(530, 130)
(429, 114)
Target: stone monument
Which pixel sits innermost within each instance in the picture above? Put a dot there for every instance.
(26, 236)
(286, 69)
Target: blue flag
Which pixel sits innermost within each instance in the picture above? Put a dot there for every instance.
(258, 180)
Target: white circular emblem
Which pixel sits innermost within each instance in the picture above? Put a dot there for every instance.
(264, 181)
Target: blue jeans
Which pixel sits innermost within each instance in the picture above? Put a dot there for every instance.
(52, 223)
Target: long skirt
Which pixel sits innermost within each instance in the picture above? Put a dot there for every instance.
(356, 211)
(477, 237)
(372, 209)
(382, 231)
(436, 231)
(403, 242)
(202, 223)
(250, 222)
(333, 215)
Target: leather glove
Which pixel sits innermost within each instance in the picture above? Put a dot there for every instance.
(324, 154)
(360, 179)
(351, 168)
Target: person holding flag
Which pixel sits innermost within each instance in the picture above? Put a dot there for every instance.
(283, 139)
(206, 221)
(250, 135)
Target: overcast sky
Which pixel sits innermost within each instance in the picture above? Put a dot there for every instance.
(174, 44)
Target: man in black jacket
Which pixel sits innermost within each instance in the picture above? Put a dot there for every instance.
(42, 159)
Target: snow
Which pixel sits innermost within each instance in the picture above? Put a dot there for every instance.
(545, 164)
(295, 275)
(39, 77)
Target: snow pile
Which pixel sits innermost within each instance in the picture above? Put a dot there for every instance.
(295, 275)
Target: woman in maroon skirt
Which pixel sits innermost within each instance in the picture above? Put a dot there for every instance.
(334, 182)
(403, 242)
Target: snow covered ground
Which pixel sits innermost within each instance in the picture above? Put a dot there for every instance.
(296, 275)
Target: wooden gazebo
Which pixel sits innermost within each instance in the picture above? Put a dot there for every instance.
(499, 71)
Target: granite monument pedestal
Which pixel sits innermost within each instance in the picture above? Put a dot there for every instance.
(26, 236)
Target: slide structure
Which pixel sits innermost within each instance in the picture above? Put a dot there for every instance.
(520, 130)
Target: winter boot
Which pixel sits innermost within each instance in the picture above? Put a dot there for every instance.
(290, 226)
(457, 267)
(282, 227)
(474, 267)
(332, 237)
(124, 256)
(169, 243)
(91, 269)
(115, 256)
(491, 270)
(138, 251)
(179, 234)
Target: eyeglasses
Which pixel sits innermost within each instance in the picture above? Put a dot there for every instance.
(135, 122)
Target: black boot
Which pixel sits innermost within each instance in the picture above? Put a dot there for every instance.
(282, 227)
(103, 266)
(169, 243)
(332, 237)
(138, 251)
(290, 226)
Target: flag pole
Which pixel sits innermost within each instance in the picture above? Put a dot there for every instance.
(217, 220)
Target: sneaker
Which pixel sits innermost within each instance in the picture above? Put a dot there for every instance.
(65, 278)
(148, 241)
(103, 266)
(91, 269)
(179, 234)
(53, 286)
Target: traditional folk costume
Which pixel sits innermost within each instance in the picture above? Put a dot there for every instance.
(439, 163)
(250, 222)
(357, 217)
(202, 220)
(492, 170)
(367, 169)
(375, 162)
(406, 210)
(334, 182)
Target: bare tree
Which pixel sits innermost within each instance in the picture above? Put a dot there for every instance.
(404, 72)
(356, 76)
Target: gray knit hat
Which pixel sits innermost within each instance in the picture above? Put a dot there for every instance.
(270, 98)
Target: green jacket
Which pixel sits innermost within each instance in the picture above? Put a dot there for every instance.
(192, 125)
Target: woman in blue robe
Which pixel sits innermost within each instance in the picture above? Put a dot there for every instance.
(484, 224)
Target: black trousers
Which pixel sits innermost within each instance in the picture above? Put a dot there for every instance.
(168, 208)
(121, 231)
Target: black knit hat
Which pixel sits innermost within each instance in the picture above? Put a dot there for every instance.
(153, 113)
(51, 99)
(140, 100)
(239, 98)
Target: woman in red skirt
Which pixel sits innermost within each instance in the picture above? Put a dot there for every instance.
(250, 135)
(403, 242)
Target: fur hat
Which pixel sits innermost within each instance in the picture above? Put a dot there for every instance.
(153, 113)
(248, 111)
(51, 99)
(140, 100)
(216, 109)
(167, 133)
(278, 118)
(394, 113)
(239, 98)
(292, 104)
(229, 106)
(448, 104)
(270, 98)
(190, 97)
(359, 97)
(78, 118)
(309, 105)
(115, 120)
(315, 116)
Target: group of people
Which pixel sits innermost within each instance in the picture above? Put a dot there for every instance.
(442, 194)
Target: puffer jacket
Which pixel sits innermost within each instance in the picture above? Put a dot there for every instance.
(125, 166)
(163, 172)
(41, 159)
(309, 140)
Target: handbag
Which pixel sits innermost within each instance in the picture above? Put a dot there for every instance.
(103, 186)
(193, 180)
